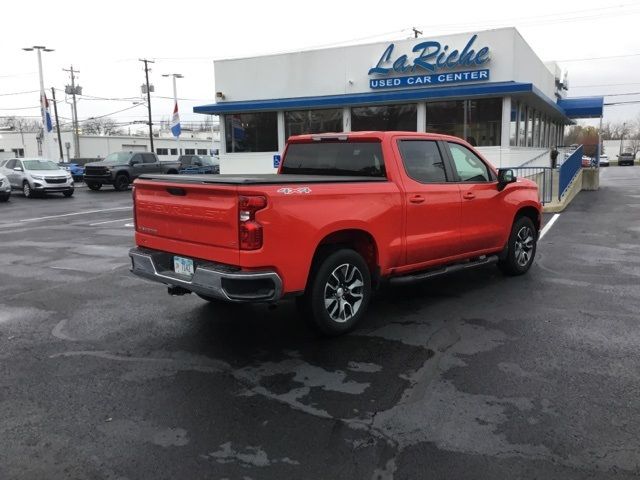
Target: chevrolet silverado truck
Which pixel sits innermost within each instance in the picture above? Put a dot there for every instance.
(345, 213)
(120, 169)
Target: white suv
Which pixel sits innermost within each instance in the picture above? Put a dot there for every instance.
(35, 175)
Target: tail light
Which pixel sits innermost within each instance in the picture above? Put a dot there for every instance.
(135, 215)
(250, 230)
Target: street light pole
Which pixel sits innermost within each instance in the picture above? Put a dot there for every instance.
(175, 104)
(47, 140)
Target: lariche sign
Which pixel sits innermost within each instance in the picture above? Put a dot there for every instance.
(431, 62)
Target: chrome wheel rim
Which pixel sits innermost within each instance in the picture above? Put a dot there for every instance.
(26, 189)
(524, 246)
(343, 293)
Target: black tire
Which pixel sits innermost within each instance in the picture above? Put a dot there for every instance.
(121, 182)
(27, 190)
(68, 193)
(348, 292)
(5, 198)
(521, 248)
(94, 186)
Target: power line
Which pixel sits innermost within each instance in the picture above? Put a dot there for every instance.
(18, 93)
(606, 85)
(599, 58)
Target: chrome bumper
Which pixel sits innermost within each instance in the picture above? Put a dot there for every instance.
(209, 279)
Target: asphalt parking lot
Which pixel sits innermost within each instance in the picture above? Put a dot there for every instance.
(104, 376)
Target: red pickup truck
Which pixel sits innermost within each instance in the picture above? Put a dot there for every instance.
(345, 212)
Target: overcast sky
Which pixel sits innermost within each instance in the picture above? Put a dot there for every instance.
(104, 41)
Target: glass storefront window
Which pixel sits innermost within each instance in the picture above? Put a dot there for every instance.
(529, 127)
(251, 132)
(484, 121)
(522, 125)
(446, 118)
(513, 126)
(312, 121)
(385, 117)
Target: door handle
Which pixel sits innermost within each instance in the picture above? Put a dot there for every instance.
(469, 196)
(416, 199)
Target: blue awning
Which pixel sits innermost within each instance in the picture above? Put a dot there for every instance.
(582, 107)
(371, 98)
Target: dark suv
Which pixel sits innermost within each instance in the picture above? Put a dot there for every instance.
(199, 164)
(626, 158)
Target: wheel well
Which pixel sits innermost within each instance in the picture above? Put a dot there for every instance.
(172, 172)
(532, 213)
(358, 240)
(122, 172)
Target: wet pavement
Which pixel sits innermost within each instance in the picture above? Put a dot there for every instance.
(104, 376)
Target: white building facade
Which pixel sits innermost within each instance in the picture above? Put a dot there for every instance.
(487, 87)
(99, 146)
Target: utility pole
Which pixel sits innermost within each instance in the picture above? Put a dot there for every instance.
(148, 89)
(55, 111)
(624, 126)
(175, 119)
(73, 90)
(416, 32)
(43, 99)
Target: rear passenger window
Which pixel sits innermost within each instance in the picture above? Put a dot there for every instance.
(148, 158)
(422, 161)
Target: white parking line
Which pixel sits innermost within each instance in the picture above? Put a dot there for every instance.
(86, 212)
(548, 226)
(110, 221)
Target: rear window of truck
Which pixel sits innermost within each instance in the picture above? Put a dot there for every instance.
(335, 158)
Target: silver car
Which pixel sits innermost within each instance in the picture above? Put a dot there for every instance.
(5, 188)
(35, 175)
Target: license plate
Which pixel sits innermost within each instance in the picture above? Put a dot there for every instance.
(183, 266)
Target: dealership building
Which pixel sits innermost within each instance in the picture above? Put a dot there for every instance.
(487, 87)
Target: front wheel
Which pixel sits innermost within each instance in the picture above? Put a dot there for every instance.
(68, 193)
(521, 248)
(26, 189)
(339, 292)
(121, 183)
(5, 198)
(94, 186)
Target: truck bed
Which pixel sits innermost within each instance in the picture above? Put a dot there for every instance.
(264, 179)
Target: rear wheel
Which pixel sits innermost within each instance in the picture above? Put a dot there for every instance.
(521, 248)
(26, 189)
(94, 186)
(339, 292)
(121, 183)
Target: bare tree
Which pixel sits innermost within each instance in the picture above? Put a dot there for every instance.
(100, 126)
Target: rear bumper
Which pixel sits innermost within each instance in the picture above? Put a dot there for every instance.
(209, 279)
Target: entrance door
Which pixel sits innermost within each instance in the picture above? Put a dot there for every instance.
(432, 204)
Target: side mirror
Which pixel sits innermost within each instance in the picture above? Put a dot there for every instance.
(134, 162)
(18, 169)
(505, 177)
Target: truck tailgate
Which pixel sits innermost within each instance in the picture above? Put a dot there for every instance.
(197, 215)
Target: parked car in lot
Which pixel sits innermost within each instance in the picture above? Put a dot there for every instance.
(198, 164)
(121, 168)
(76, 170)
(37, 176)
(604, 161)
(5, 188)
(626, 158)
(345, 213)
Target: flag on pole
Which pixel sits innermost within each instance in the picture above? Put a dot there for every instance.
(175, 122)
(46, 114)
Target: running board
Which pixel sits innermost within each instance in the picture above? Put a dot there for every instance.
(456, 267)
